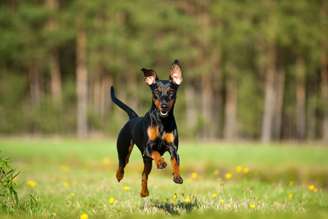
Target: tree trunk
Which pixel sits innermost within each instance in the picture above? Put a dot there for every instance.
(324, 72)
(280, 82)
(324, 95)
(56, 86)
(191, 111)
(300, 98)
(81, 83)
(55, 74)
(35, 84)
(95, 95)
(230, 121)
(217, 106)
(207, 98)
(106, 81)
(269, 99)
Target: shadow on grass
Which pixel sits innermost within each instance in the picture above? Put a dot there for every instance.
(175, 208)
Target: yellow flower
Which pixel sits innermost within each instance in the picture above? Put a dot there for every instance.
(174, 198)
(194, 175)
(105, 161)
(65, 168)
(228, 175)
(214, 195)
(84, 216)
(251, 205)
(239, 169)
(31, 183)
(312, 188)
(245, 170)
(66, 184)
(216, 172)
(187, 199)
(221, 202)
(112, 200)
(72, 194)
(126, 188)
(290, 195)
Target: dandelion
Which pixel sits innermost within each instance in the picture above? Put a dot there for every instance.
(216, 172)
(228, 176)
(312, 188)
(214, 195)
(194, 175)
(126, 188)
(221, 202)
(71, 194)
(84, 216)
(112, 200)
(105, 161)
(239, 169)
(65, 168)
(245, 170)
(66, 184)
(290, 195)
(31, 183)
(187, 199)
(251, 205)
(174, 198)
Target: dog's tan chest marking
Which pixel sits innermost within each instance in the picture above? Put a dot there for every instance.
(168, 137)
(152, 132)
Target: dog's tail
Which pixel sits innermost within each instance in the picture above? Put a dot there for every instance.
(122, 105)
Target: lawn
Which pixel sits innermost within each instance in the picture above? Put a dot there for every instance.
(69, 178)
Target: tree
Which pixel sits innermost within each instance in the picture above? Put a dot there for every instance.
(55, 73)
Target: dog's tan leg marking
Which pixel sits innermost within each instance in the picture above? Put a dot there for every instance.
(144, 180)
(160, 163)
(176, 171)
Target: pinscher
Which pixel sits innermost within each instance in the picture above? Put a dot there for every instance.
(154, 133)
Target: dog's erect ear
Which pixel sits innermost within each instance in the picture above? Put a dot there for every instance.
(176, 72)
(150, 76)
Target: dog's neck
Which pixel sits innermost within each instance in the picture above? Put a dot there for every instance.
(167, 122)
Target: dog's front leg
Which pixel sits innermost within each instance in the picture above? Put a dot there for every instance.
(175, 161)
(152, 135)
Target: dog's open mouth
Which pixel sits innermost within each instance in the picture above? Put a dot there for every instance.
(163, 113)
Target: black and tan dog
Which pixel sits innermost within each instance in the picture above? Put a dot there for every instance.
(154, 133)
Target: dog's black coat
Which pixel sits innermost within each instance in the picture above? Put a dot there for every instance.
(156, 130)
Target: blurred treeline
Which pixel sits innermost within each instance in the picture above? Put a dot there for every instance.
(252, 69)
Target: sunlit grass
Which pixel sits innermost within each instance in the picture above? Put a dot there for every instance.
(75, 179)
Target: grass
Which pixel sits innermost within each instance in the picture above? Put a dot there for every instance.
(67, 178)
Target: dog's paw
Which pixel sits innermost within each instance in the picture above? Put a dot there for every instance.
(161, 164)
(119, 174)
(177, 179)
(144, 193)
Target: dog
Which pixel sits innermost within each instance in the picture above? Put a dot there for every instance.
(156, 132)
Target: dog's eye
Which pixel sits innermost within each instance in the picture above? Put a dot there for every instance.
(170, 92)
(156, 92)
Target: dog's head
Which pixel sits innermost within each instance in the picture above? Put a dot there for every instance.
(164, 91)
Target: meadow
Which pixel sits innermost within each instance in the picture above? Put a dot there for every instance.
(69, 178)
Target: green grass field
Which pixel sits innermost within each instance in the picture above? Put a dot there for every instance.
(68, 178)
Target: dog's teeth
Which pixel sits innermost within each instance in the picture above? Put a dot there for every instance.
(164, 114)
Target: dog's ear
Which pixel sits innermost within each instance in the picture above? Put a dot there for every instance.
(150, 76)
(176, 72)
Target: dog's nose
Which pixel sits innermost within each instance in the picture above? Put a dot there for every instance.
(164, 106)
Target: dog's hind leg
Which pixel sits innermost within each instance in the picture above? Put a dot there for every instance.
(124, 148)
(144, 180)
